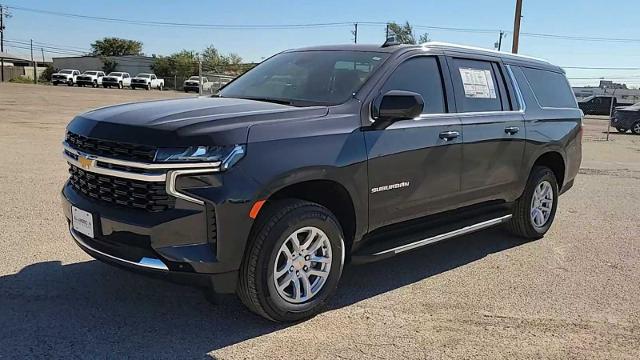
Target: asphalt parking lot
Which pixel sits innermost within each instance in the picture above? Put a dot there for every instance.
(574, 294)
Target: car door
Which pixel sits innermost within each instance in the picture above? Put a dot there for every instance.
(493, 126)
(126, 81)
(414, 165)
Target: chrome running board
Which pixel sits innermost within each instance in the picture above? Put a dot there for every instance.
(145, 262)
(448, 235)
(397, 246)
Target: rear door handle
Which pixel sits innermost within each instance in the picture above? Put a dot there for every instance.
(449, 135)
(511, 130)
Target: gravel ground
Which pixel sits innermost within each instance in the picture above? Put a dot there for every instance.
(573, 294)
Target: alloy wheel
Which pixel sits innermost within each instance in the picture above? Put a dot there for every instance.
(541, 204)
(302, 265)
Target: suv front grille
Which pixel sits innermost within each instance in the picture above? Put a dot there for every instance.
(112, 149)
(151, 196)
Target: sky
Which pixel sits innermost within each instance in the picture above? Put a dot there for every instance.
(584, 18)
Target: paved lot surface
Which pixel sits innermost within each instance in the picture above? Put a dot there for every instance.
(573, 294)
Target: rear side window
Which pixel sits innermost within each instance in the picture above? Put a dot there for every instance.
(551, 88)
(420, 75)
(478, 85)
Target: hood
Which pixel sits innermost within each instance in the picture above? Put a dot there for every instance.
(185, 122)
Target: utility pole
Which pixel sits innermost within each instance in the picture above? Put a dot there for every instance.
(355, 33)
(387, 35)
(42, 50)
(1, 43)
(500, 40)
(200, 76)
(516, 27)
(35, 66)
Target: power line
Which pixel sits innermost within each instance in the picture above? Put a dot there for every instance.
(313, 25)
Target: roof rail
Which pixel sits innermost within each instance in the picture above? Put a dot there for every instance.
(465, 47)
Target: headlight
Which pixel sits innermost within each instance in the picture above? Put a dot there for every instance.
(228, 155)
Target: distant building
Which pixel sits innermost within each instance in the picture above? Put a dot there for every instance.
(607, 87)
(15, 66)
(132, 64)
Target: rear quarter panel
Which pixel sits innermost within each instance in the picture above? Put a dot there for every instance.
(550, 129)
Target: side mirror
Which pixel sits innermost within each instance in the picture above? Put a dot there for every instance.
(396, 105)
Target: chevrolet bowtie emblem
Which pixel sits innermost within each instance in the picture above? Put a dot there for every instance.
(84, 162)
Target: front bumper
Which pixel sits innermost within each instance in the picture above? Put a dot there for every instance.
(172, 244)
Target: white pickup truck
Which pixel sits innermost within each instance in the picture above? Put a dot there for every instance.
(117, 79)
(65, 76)
(90, 77)
(193, 83)
(147, 81)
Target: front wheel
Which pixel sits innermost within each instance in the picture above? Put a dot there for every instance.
(534, 211)
(120, 86)
(294, 261)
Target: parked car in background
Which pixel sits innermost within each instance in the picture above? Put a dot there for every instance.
(117, 79)
(65, 76)
(599, 104)
(321, 156)
(91, 77)
(193, 84)
(627, 118)
(147, 81)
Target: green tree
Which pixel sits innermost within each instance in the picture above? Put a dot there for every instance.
(112, 46)
(404, 34)
(181, 64)
(109, 65)
(46, 74)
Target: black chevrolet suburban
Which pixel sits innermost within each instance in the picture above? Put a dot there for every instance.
(318, 157)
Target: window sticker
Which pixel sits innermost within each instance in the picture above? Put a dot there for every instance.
(478, 84)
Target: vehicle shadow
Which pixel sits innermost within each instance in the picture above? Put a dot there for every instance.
(92, 310)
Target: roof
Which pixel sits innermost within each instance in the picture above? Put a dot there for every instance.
(436, 46)
(8, 56)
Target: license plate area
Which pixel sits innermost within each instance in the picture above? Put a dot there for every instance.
(82, 221)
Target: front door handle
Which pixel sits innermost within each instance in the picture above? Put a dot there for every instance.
(511, 130)
(449, 135)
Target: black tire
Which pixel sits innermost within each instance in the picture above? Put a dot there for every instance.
(160, 87)
(635, 128)
(521, 223)
(55, 84)
(280, 219)
(104, 86)
(95, 83)
(185, 90)
(120, 86)
(621, 130)
(70, 83)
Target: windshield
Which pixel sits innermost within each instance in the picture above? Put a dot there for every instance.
(66, 71)
(194, 78)
(143, 75)
(90, 73)
(307, 77)
(116, 74)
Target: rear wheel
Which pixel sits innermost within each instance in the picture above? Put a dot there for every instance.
(70, 83)
(294, 261)
(635, 128)
(534, 211)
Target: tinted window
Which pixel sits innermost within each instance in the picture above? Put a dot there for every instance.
(420, 75)
(307, 77)
(551, 88)
(476, 86)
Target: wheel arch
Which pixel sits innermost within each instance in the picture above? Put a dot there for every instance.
(329, 193)
(554, 161)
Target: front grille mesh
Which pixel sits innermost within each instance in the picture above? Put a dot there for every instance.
(112, 149)
(150, 196)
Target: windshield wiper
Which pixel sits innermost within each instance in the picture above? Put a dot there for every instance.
(271, 100)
